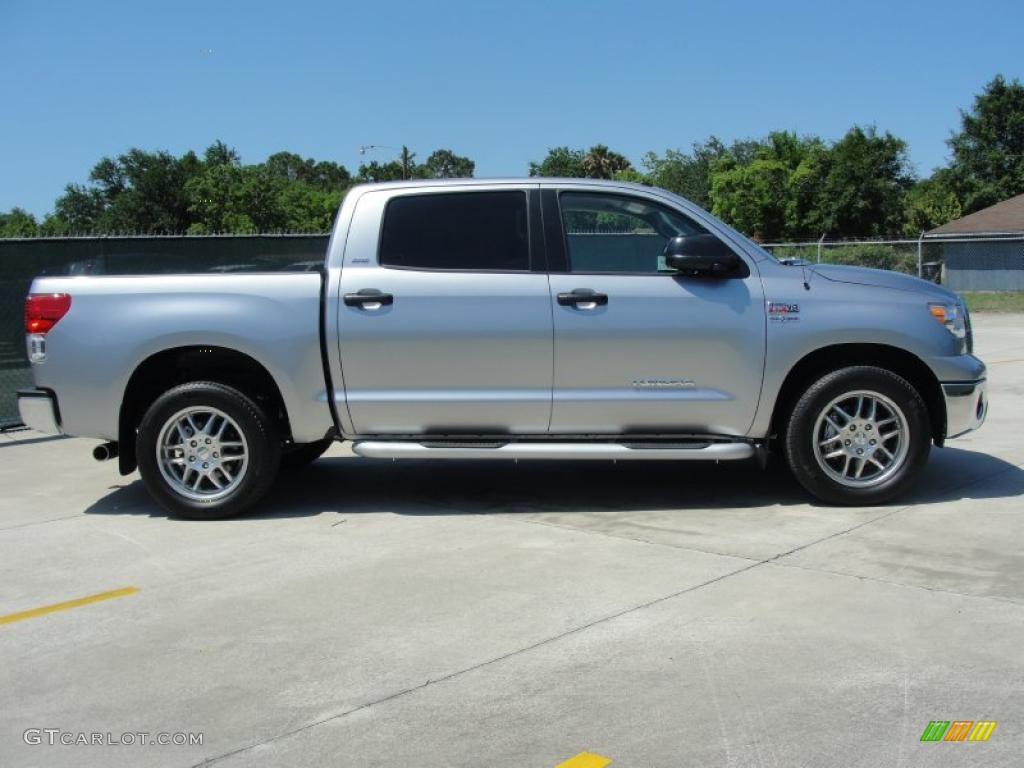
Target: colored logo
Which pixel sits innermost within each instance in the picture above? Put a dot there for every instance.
(782, 312)
(958, 730)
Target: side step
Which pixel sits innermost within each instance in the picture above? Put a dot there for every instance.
(388, 449)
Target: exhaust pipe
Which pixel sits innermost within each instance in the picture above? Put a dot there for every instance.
(105, 451)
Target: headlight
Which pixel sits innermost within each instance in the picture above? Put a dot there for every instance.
(951, 316)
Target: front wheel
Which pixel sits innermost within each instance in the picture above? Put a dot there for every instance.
(858, 436)
(207, 451)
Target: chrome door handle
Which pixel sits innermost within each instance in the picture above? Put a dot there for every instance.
(579, 296)
(367, 296)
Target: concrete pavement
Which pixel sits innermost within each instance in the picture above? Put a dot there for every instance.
(465, 614)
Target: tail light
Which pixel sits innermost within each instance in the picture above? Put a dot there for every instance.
(43, 310)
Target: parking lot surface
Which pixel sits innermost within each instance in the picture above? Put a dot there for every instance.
(499, 614)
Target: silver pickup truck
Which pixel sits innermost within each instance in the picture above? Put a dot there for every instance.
(508, 319)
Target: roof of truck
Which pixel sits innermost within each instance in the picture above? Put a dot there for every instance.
(545, 180)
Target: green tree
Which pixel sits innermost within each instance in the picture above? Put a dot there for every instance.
(138, 191)
(215, 202)
(931, 203)
(307, 208)
(805, 217)
(863, 193)
(632, 175)
(80, 210)
(601, 163)
(18, 222)
(53, 225)
(328, 176)
(689, 173)
(407, 162)
(683, 173)
(323, 175)
(375, 171)
(561, 162)
(220, 153)
(988, 151)
(598, 162)
(143, 191)
(798, 187)
(445, 164)
(259, 198)
(763, 187)
(752, 196)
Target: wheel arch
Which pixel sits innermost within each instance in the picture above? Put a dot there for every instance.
(166, 369)
(821, 361)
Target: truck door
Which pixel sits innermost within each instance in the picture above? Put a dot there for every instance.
(639, 348)
(445, 322)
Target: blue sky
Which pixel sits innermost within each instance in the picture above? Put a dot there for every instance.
(498, 81)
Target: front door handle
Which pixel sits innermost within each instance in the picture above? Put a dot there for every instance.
(580, 296)
(367, 296)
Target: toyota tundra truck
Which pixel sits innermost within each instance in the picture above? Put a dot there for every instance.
(508, 319)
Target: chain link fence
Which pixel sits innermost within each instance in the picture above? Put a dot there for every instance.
(912, 257)
(990, 262)
(22, 259)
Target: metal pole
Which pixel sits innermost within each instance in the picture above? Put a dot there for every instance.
(820, 240)
(919, 265)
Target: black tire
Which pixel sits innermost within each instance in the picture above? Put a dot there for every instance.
(802, 436)
(259, 432)
(302, 454)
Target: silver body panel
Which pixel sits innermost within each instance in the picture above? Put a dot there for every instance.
(116, 323)
(664, 355)
(966, 407)
(493, 353)
(38, 412)
(456, 352)
(892, 311)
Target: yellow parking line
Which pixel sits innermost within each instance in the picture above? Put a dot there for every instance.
(68, 604)
(585, 760)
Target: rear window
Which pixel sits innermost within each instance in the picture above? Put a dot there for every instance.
(469, 231)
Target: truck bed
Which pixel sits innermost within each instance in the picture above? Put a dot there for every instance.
(116, 323)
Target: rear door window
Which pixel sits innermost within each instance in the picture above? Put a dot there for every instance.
(458, 231)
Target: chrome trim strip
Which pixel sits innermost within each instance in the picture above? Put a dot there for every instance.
(966, 406)
(386, 449)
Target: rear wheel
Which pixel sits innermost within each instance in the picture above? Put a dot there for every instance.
(860, 435)
(207, 451)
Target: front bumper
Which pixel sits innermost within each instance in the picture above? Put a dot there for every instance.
(38, 409)
(966, 406)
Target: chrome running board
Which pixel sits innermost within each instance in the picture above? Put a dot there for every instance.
(388, 449)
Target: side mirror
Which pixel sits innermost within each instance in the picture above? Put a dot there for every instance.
(702, 255)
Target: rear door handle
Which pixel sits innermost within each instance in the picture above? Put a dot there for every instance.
(582, 296)
(368, 296)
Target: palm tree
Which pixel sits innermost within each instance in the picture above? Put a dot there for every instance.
(601, 163)
(407, 161)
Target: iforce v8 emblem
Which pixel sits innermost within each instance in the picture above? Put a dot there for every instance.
(783, 312)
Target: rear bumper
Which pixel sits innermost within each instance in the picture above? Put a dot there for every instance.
(38, 410)
(966, 406)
